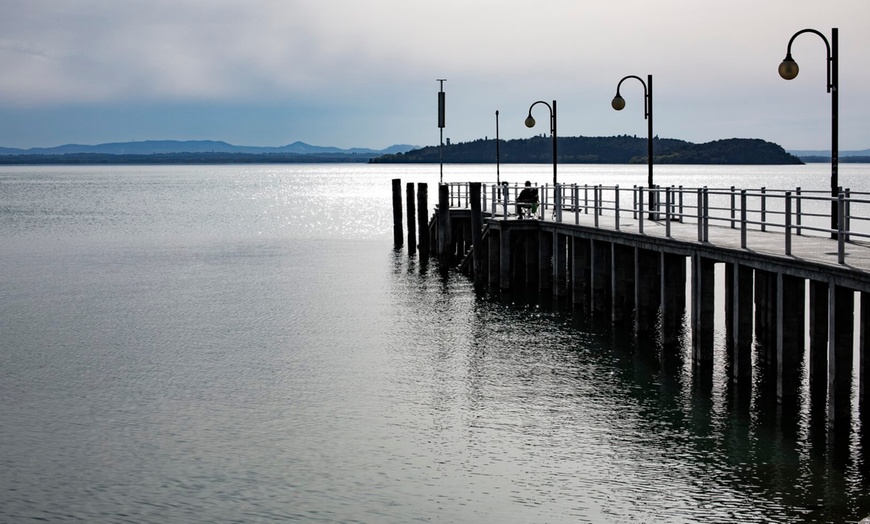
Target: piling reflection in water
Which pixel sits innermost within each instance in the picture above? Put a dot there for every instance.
(610, 404)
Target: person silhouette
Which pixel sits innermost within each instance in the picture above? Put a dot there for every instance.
(527, 200)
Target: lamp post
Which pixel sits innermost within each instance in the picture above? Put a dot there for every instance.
(618, 103)
(530, 122)
(497, 155)
(788, 69)
(442, 107)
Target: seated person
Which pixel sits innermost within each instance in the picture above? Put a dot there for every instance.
(527, 200)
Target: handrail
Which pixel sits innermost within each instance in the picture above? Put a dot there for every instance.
(793, 212)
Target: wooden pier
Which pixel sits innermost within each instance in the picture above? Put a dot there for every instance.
(786, 280)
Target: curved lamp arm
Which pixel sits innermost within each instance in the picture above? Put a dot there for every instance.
(789, 69)
(530, 121)
(618, 102)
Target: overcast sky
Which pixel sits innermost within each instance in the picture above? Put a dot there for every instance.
(362, 73)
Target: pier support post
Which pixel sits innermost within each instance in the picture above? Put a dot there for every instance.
(476, 231)
(443, 222)
(622, 283)
(703, 295)
(818, 361)
(765, 319)
(864, 363)
(673, 297)
(864, 374)
(580, 271)
(560, 264)
(647, 286)
(739, 326)
(412, 217)
(599, 300)
(423, 219)
(545, 260)
(398, 239)
(789, 341)
(493, 255)
(504, 259)
(841, 327)
(531, 264)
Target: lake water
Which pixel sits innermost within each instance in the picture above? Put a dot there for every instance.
(243, 344)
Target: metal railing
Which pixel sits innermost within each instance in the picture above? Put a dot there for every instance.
(791, 212)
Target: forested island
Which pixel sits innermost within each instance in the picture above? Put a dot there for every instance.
(623, 149)
(539, 149)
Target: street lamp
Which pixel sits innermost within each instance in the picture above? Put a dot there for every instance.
(618, 103)
(497, 154)
(530, 122)
(788, 69)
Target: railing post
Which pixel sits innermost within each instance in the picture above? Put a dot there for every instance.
(504, 200)
(763, 209)
(788, 223)
(841, 237)
(668, 212)
(557, 194)
(640, 215)
(681, 203)
(700, 213)
(585, 199)
(706, 215)
(798, 211)
(847, 214)
(576, 204)
(616, 206)
(494, 199)
(597, 202)
(733, 211)
(634, 202)
(743, 218)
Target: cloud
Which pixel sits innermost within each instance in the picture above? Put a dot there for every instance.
(362, 61)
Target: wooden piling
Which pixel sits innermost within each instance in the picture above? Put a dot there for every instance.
(790, 327)
(580, 268)
(647, 287)
(528, 270)
(504, 270)
(476, 231)
(545, 261)
(622, 284)
(864, 359)
(739, 325)
(599, 300)
(841, 326)
(560, 264)
(493, 256)
(818, 358)
(703, 295)
(443, 223)
(673, 297)
(398, 239)
(412, 217)
(423, 219)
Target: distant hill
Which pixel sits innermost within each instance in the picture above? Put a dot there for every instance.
(151, 147)
(602, 150)
(827, 153)
(823, 155)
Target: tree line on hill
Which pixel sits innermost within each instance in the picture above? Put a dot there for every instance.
(622, 149)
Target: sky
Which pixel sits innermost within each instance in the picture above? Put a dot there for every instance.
(363, 73)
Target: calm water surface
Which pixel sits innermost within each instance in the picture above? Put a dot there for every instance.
(243, 344)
